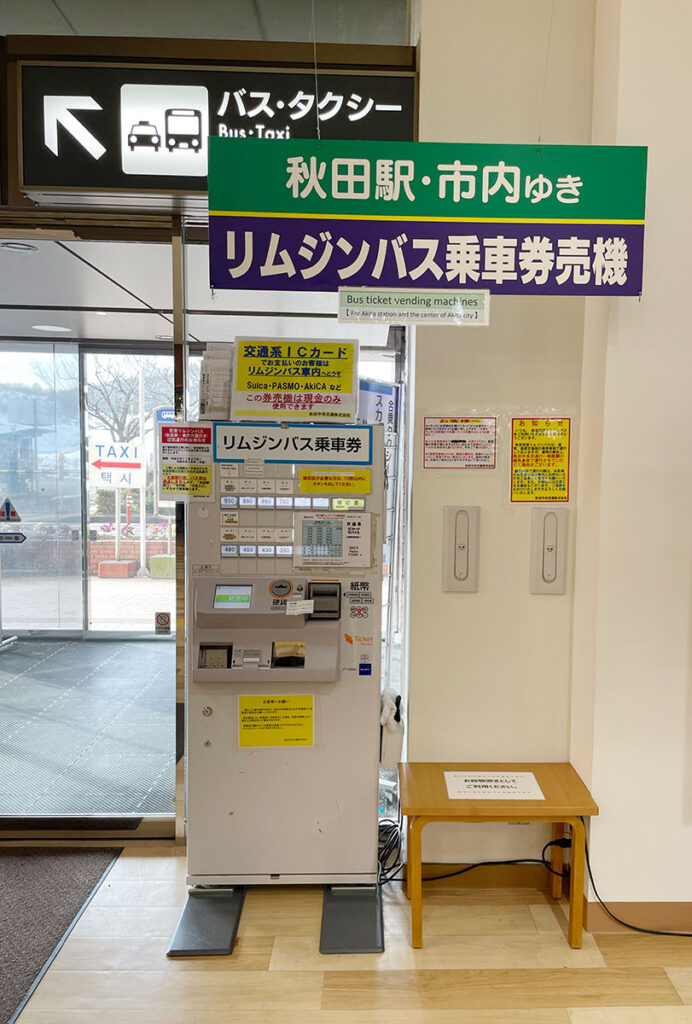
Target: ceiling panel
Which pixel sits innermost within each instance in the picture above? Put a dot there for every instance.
(336, 21)
(87, 274)
(119, 279)
(84, 326)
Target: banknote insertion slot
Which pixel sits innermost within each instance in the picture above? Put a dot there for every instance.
(327, 599)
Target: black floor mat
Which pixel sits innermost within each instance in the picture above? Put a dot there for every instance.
(43, 892)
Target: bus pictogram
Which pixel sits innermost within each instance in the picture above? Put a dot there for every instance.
(183, 129)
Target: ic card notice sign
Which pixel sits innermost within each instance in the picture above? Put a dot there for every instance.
(295, 379)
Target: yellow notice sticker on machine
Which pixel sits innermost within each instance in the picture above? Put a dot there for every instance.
(335, 481)
(280, 720)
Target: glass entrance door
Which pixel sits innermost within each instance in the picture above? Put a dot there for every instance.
(109, 567)
(87, 703)
(87, 692)
(130, 554)
(41, 473)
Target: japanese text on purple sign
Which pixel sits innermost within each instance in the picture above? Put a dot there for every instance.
(459, 258)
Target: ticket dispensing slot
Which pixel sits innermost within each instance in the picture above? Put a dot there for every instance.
(243, 632)
(288, 654)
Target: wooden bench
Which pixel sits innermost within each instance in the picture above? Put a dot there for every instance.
(424, 799)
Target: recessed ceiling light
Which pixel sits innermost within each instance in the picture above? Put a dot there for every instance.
(164, 337)
(51, 328)
(100, 312)
(18, 247)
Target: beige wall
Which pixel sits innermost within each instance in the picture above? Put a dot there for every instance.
(490, 672)
(487, 74)
(642, 664)
(602, 675)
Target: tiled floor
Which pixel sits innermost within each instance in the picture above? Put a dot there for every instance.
(87, 727)
(489, 957)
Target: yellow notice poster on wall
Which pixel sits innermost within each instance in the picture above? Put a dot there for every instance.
(187, 480)
(334, 481)
(540, 459)
(294, 379)
(280, 720)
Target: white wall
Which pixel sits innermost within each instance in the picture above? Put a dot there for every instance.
(490, 672)
(642, 753)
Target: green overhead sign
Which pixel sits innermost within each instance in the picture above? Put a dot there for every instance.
(428, 180)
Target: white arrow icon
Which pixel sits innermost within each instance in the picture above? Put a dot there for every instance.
(57, 110)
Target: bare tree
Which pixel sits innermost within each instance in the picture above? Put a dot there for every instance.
(112, 391)
(112, 396)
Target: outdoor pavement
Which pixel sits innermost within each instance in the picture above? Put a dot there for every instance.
(114, 604)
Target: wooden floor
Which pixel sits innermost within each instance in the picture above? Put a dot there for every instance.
(489, 957)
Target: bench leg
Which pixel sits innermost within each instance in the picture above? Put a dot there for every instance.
(409, 822)
(557, 860)
(576, 884)
(415, 880)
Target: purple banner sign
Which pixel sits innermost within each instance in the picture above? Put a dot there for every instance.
(321, 254)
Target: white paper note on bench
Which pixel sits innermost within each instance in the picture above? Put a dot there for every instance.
(493, 786)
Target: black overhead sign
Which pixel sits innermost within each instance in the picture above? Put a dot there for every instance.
(145, 129)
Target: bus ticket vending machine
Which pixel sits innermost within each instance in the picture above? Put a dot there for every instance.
(284, 577)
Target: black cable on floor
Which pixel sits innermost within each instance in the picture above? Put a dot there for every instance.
(389, 846)
(390, 841)
(625, 924)
(520, 860)
(390, 832)
(491, 863)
